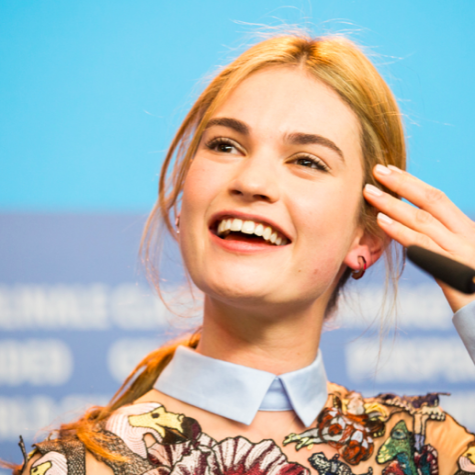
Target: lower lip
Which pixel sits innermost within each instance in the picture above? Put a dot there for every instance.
(244, 247)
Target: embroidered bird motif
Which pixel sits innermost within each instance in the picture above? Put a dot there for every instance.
(53, 463)
(399, 449)
(131, 423)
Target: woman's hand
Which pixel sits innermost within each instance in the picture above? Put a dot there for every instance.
(434, 222)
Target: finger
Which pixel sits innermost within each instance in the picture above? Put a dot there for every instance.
(414, 218)
(425, 197)
(407, 236)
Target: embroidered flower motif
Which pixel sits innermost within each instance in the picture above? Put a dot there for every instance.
(53, 463)
(238, 456)
(196, 463)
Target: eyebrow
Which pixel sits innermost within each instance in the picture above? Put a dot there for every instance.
(234, 124)
(294, 138)
(300, 138)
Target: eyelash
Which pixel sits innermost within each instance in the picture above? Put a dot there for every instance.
(317, 163)
(213, 143)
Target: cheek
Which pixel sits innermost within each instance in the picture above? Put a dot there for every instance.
(329, 211)
(328, 222)
(193, 205)
(202, 184)
(195, 189)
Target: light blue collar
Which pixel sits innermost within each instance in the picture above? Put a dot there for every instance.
(238, 392)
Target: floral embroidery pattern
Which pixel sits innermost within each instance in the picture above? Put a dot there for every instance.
(238, 456)
(179, 447)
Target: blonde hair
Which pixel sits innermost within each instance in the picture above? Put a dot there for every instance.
(338, 63)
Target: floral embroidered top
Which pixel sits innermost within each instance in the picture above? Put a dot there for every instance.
(202, 416)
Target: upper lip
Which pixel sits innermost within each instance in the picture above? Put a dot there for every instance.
(246, 217)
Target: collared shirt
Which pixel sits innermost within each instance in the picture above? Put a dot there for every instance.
(437, 445)
(238, 392)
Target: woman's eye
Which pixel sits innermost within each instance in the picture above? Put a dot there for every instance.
(222, 145)
(311, 162)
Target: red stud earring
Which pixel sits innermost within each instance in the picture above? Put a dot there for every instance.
(357, 274)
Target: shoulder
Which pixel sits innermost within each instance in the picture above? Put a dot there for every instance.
(55, 462)
(115, 445)
(61, 456)
(415, 427)
(134, 439)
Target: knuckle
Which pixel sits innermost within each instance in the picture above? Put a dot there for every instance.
(434, 195)
(423, 217)
(424, 241)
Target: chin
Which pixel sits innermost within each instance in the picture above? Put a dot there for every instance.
(239, 291)
(258, 293)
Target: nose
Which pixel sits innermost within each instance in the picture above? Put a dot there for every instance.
(256, 180)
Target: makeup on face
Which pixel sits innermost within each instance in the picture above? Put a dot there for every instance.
(270, 199)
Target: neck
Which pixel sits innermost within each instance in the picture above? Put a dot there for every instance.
(278, 343)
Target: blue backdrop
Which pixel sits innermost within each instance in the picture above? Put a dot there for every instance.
(91, 93)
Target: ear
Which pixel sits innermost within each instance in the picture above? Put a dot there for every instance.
(366, 245)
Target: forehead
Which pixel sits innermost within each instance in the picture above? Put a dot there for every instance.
(283, 99)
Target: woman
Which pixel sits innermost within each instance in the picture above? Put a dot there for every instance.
(265, 180)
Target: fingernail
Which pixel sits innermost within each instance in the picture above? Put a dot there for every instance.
(382, 170)
(396, 169)
(372, 190)
(384, 219)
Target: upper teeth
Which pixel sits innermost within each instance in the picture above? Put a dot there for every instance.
(250, 227)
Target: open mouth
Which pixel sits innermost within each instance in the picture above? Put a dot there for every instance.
(247, 230)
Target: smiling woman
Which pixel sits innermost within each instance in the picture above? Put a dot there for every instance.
(336, 70)
(283, 181)
(281, 174)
